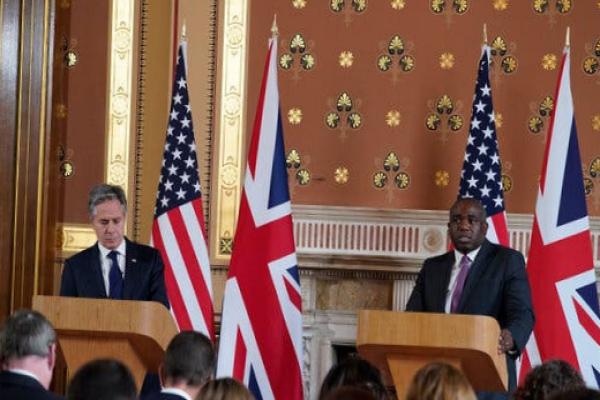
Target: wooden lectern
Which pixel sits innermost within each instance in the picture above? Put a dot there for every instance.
(135, 332)
(400, 343)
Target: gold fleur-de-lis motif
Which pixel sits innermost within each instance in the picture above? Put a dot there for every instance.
(590, 174)
(502, 61)
(545, 6)
(392, 170)
(301, 174)
(448, 8)
(552, 8)
(297, 56)
(299, 3)
(396, 58)
(541, 114)
(444, 116)
(344, 116)
(352, 7)
(591, 63)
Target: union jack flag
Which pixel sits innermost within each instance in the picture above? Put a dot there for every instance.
(261, 329)
(560, 263)
(178, 228)
(481, 175)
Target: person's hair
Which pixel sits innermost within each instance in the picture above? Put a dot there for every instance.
(26, 333)
(103, 379)
(350, 393)
(440, 381)
(105, 192)
(476, 202)
(354, 372)
(550, 378)
(224, 389)
(189, 357)
(577, 394)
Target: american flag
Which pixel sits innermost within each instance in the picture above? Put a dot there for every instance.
(481, 175)
(560, 264)
(261, 329)
(178, 228)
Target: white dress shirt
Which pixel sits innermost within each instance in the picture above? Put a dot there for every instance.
(454, 274)
(105, 263)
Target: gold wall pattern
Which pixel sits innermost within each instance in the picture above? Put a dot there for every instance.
(421, 113)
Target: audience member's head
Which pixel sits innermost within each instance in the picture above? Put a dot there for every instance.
(189, 362)
(577, 394)
(224, 389)
(28, 342)
(549, 378)
(440, 381)
(354, 372)
(350, 393)
(103, 379)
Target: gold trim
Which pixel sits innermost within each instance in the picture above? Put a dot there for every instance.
(75, 237)
(231, 122)
(120, 98)
(41, 152)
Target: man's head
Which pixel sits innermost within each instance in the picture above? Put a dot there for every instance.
(28, 342)
(189, 362)
(467, 225)
(102, 379)
(107, 208)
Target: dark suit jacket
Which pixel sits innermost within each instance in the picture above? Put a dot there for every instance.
(163, 396)
(497, 286)
(144, 280)
(18, 387)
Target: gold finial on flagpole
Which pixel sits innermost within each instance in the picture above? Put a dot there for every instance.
(274, 29)
(183, 31)
(568, 37)
(485, 39)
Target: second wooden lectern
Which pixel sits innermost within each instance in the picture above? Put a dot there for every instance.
(400, 343)
(135, 332)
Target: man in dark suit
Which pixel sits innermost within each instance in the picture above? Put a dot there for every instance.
(27, 357)
(114, 267)
(189, 363)
(480, 278)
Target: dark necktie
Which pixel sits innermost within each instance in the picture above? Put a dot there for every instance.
(115, 278)
(464, 266)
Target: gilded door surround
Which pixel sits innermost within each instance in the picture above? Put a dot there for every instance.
(231, 122)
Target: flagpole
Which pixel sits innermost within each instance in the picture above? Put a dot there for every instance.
(274, 29)
(183, 44)
(485, 37)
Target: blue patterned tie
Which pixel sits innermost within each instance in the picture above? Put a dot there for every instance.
(115, 278)
(464, 266)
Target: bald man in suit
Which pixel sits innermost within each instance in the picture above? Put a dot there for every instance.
(493, 283)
